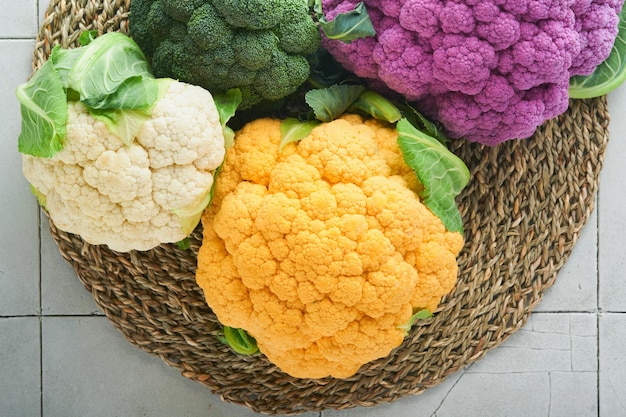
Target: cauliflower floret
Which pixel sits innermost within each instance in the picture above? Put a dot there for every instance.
(135, 196)
(322, 251)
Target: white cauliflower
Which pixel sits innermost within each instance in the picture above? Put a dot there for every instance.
(137, 195)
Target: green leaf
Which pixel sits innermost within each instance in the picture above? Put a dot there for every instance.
(87, 36)
(133, 93)
(607, 76)
(294, 130)
(419, 315)
(348, 26)
(110, 73)
(41, 197)
(325, 70)
(316, 6)
(183, 244)
(215, 175)
(240, 341)
(443, 174)
(124, 113)
(227, 104)
(418, 120)
(125, 124)
(105, 65)
(377, 106)
(64, 60)
(43, 107)
(330, 103)
(190, 216)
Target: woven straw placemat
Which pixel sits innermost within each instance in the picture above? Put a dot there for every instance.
(523, 211)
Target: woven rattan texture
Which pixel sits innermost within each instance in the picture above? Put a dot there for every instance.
(523, 211)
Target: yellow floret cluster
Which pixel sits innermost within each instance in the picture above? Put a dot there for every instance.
(322, 250)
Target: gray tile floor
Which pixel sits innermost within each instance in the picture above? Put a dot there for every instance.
(59, 357)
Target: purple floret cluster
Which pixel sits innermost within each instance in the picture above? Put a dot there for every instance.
(488, 70)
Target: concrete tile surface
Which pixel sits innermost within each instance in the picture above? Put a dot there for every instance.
(567, 342)
(612, 221)
(612, 329)
(18, 19)
(546, 368)
(60, 358)
(19, 246)
(90, 370)
(20, 382)
(61, 292)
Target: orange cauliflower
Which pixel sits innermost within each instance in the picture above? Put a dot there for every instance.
(322, 251)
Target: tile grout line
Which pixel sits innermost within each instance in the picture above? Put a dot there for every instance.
(41, 359)
(598, 256)
(598, 395)
(40, 323)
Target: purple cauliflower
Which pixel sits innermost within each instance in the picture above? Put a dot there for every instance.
(488, 70)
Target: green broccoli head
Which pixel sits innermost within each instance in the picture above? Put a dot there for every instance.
(258, 46)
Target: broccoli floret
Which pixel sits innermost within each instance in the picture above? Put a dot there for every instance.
(178, 32)
(298, 37)
(150, 25)
(239, 76)
(258, 46)
(158, 23)
(251, 14)
(207, 29)
(249, 95)
(223, 57)
(297, 32)
(140, 31)
(181, 10)
(162, 58)
(169, 61)
(253, 49)
(276, 80)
